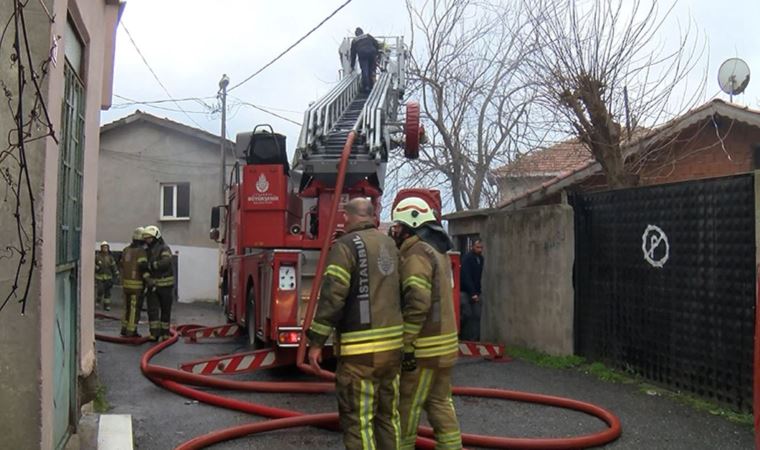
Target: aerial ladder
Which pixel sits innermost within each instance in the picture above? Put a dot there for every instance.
(280, 217)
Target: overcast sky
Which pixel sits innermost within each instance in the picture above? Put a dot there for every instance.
(189, 44)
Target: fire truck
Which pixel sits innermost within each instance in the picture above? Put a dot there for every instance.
(277, 214)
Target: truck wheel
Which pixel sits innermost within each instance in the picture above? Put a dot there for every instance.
(250, 317)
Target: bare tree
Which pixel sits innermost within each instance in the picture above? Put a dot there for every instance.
(604, 63)
(466, 63)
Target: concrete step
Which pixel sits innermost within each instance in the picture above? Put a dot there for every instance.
(115, 432)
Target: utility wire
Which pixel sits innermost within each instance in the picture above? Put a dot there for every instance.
(164, 100)
(134, 44)
(291, 47)
(268, 112)
(131, 102)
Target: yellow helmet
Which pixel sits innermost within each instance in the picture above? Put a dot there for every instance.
(151, 231)
(104, 243)
(137, 235)
(413, 212)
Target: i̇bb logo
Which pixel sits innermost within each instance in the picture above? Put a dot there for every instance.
(262, 184)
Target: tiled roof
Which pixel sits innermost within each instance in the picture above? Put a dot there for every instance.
(140, 116)
(551, 161)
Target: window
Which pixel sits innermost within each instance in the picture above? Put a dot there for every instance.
(70, 169)
(175, 201)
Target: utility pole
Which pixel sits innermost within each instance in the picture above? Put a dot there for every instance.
(223, 94)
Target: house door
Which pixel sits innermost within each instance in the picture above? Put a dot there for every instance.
(68, 244)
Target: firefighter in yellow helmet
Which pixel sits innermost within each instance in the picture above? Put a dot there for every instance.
(105, 274)
(430, 333)
(159, 284)
(134, 263)
(360, 299)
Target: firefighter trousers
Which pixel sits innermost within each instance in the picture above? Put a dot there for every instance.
(368, 400)
(104, 291)
(160, 311)
(429, 389)
(133, 299)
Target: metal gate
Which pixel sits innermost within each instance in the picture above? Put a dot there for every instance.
(665, 284)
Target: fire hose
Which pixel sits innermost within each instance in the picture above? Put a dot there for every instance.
(185, 383)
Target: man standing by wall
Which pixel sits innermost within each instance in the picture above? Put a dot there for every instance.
(360, 298)
(105, 274)
(471, 295)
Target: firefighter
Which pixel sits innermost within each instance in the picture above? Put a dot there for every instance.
(105, 274)
(134, 263)
(366, 48)
(430, 333)
(360, 299)
(159, 284)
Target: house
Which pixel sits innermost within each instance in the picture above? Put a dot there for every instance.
(713, 140)
(48, 344)
(156, 171)
(644, 278)
(537, 167)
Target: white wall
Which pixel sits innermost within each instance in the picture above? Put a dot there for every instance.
(198, 271)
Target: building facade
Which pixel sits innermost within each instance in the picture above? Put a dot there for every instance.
(154, 171)
(57, 86)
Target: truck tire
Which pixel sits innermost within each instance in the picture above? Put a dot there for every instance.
(250, 317)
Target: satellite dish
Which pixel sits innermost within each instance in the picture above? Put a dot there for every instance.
(733, 76)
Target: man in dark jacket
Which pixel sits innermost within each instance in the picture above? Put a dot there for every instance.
(360, 300)
(471, 295)
(365, 47)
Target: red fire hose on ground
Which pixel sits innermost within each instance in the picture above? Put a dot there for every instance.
(185, 384)
(182, 383)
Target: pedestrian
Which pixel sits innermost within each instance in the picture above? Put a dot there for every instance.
(365, 47)
(159, 284)
(430, 330)
(106, 274)
(134, 263)
(360, 299)
(471, 297)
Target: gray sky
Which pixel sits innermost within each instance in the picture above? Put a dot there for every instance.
(191, 43)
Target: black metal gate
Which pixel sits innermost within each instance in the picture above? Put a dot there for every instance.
(665, 284)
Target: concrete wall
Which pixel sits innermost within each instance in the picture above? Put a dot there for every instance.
(135, 160)
(21, 387)
(527, 278)
(27, 342)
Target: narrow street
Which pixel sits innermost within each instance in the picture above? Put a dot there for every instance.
(163, 420)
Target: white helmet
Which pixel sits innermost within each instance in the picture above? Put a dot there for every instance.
(104, 243)
(413, 212)
(137, 235)
(151, 231)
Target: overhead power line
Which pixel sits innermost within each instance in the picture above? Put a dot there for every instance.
(291, 47)
(134, 44)
(260, 108)
(130, 102)
(163, 100)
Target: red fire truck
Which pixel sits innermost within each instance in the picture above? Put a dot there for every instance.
(276, 217)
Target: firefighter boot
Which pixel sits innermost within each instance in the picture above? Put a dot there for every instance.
(164, 331)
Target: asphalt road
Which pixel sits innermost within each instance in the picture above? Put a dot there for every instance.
(162, 420)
